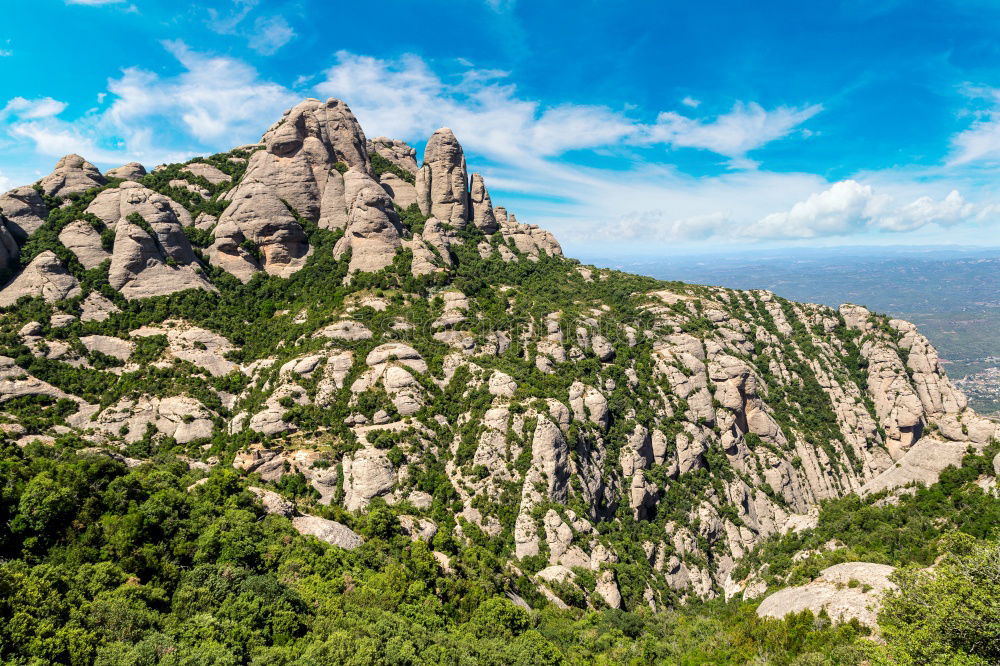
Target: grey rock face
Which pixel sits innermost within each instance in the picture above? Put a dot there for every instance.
(130, 171)
(8, 248)
(330, 531)
(443, 180)
(403, 193)
(72, 175)
(297, 166)
(482, 206)
(398, 152)
(85, 242)
(373, 233)
(141, 264)
(208, 172)
(831, 592)
(24, 209)
(44, 277)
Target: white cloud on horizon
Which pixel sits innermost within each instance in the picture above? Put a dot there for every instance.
(405, 98)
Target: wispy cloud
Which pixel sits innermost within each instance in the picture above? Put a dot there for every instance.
(405, 97)
(31, 109)
(216, 102)
(265, 35)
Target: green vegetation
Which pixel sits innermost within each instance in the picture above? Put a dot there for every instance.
(110, 565)
(381, 165)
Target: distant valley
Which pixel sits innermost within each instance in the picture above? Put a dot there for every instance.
(950, 293)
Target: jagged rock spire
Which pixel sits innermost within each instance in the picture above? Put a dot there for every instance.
(482, 206)
(443, 180)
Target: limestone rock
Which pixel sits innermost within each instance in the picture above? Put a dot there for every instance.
(443, 181)
(607, 587)
(208, 172)
(330, 531)
(482, 206)
(8, 248)
(110, 346)
(45, 277)
(72, 175)
(24, 209)
(396, 151)
(84, 241)
(130, 171)
(373, 233)
(141, 264)
(852, 590)
(274, 503)
(402, 193)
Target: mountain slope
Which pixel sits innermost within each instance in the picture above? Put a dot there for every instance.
(351, 331)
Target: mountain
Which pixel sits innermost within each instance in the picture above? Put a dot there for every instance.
(372, 350)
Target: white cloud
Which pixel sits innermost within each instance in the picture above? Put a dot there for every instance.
(848, 207)
(746, 127)
(691, 102)
(404, 98)
(30, 109)
(6, 53)
(267, 33)
(214, 103)
(981, 141)
(270, 34)
(5, 183)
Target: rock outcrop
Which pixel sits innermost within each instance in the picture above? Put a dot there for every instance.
(45, 277)
(373, 234)
(299, 166)
(72, 175)
(83, 240)
(443, 180)
(398, 152)
(130, 171)
(848, 591)
(24, 210)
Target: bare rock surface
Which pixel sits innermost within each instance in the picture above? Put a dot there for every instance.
(398, 152)
(847, 591)
(329, 531)
(443, 180)
(45, 277)
(84, 241)
(130, 171)
(72, 175)
(24, 209)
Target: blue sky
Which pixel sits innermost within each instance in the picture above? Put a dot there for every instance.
(642, 127)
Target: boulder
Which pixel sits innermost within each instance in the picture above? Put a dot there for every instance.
(274, 503)
(852, 590)
(83, 240)
(130, 171)
(45, 277)
(443, 181)
(24, 209)
(367, 474)
(72, 175)
(330, 531)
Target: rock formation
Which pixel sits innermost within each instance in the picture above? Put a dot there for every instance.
(24, 209)
(130, 171)
(443, 181)
(72, 175)
(45, 277)
(396, 151)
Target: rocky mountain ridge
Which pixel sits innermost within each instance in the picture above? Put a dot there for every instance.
(350, 329)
